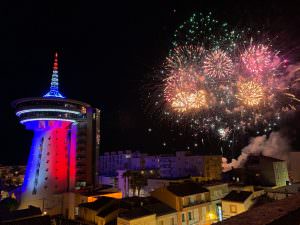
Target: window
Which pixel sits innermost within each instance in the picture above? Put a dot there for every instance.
(160, 222)
(182, 217)
(202, 197)
(172, 221)
(190, 215)
(193, 199)
(233, 209)
(188, 200)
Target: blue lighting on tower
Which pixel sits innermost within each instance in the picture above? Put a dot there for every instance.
(54, 92)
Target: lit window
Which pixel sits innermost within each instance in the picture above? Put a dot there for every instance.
(233, 209)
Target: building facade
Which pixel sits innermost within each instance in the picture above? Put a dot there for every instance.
(294, 166)
(190, 200)
(180, 164)
(237, 202)
(273, 171)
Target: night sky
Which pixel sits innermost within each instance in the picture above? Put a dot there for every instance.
(106, 51)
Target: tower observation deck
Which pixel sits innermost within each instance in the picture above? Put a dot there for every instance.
(64, 147)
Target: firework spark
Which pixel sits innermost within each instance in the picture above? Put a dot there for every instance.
(250, 93)
(217, 64)
(259, 59)
(185, 58)
(224, 133)
(204, 30)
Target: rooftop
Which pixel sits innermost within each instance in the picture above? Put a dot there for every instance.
(135, 202)
(39, 220)
(286, 211)
(102, 201)
(105, 212)
(159, 208)
(208, 184)
(147, 206)
(135, 213)
(289, 189)
(185, 189)
(237, 196)
(22, 213)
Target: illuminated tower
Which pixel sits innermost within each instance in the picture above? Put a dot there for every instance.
(64, 147)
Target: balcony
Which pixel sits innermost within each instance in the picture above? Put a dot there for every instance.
(193, 203)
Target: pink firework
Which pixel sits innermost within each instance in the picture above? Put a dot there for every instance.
(258, 59)
(218, 64)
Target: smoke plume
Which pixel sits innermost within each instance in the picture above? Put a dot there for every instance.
(276, 146)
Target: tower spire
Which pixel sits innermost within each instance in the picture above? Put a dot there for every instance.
(54, 92)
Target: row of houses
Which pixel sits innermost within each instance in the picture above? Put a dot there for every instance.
(183, 203)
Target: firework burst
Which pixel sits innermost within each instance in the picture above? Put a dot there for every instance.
(259, 59)
(217, 64)
(185, 102)
(250, 93)
(186, 57)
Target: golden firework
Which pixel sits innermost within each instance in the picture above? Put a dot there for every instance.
(184, 101)
(250, 93)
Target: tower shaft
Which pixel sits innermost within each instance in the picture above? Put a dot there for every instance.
(51, 164)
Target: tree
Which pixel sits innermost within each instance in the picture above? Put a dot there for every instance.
(137, 181)
(126, 175)
(9, 204)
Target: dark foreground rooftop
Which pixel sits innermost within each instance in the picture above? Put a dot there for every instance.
(281, 212)
(20, 214)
